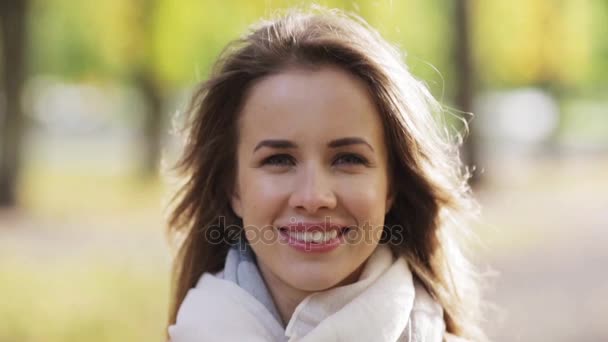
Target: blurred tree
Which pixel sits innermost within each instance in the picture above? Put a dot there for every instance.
(12, 65)
(534, 42)
(112, 40)
(464, 74)
(161, 46)
(145, 77)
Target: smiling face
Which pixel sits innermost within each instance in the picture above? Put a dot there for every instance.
(311, 151)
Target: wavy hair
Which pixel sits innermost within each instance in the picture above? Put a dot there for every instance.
(433, 201)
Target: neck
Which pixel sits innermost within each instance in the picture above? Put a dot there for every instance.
(287, 298)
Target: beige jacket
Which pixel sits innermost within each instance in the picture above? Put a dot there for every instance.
(386, 304)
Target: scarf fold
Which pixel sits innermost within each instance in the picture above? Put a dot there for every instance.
(241, 268)
(385, 304)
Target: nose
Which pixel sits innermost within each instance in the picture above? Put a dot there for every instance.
(312, 191)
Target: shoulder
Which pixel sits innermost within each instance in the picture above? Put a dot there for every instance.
(219, 274)
(426, 307)
(205, 277)
(447, 337)
(427, 317)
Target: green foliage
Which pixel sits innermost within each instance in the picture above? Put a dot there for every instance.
(75, 39)
(516, 43)
(538, 42)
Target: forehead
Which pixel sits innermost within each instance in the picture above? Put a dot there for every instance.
(300, 103)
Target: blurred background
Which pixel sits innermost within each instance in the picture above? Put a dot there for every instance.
(87, 95)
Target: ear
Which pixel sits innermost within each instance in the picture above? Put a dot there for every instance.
(235, 202)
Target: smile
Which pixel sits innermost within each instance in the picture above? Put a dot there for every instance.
(313, 237)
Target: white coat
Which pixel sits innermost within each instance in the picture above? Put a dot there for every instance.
(385, 304)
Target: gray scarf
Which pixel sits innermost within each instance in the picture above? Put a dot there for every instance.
(241, 268)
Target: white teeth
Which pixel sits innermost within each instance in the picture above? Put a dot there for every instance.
(316, 237)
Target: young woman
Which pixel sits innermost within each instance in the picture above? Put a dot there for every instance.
(321, 200)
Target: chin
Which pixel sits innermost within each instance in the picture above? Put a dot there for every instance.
(314, 282)
(314, 277)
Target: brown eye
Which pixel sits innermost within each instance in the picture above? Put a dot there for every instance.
(351, 159)
(279, 160)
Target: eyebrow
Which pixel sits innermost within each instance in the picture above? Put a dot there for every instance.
(284, 144)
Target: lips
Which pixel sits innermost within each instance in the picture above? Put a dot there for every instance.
(312, 227)
(313, 237)
(313, 232)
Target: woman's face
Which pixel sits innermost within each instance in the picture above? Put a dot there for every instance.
(311, 162)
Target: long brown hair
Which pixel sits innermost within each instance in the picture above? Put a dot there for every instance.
(432, 198)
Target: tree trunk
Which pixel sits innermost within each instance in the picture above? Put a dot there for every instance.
(12, 66)
(146, 80)
(465, 78)
(152, 124)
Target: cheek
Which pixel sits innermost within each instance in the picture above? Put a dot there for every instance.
(365, 199)
(262, 197)
(366, 204)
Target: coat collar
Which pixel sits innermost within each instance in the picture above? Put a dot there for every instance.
(386, 304)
